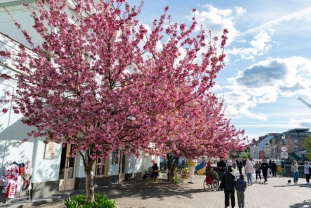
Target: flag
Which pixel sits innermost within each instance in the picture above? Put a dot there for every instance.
(201, 168)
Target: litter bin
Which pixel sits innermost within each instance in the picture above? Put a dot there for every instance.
(283, 172)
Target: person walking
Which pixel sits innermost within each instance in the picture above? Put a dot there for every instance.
(294, 169)
(229, 163)
(155, 171)
(270, 167)
(228, 184)
(248, 171)
(221, 165)
(273, 168)
(234, 164)
(307, 171)
(257, 169)
(264, 168)
(239, 165)
(240, 187)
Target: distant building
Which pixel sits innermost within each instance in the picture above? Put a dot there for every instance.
(269, 146)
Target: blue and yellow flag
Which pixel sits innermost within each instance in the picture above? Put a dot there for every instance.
(201, 168)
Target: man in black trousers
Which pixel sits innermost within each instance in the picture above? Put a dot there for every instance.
(239, 163)
(228, 184)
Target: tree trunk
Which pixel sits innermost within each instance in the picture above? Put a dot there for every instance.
(171, 165)
(89, 182)
(89, 185)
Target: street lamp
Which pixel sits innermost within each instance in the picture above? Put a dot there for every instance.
(283, 166)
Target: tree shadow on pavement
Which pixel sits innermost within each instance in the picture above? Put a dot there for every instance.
(300, 185)
(145, 190)
(306, 203)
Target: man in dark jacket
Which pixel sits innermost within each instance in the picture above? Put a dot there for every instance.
(274, 167)
(228, 184)
(264, 168)
(270, 166)
(239, 163)
(221, 165)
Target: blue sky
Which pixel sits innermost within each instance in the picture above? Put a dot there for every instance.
(269, 58)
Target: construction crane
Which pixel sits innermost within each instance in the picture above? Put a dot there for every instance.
(304, 102)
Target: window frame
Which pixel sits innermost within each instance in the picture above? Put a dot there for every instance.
(104, 163)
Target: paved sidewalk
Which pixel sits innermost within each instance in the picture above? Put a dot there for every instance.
(276, 194)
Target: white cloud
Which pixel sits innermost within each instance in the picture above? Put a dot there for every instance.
(263, 82)
(240, 11)
(216, 20)
(303, 123)
(260, 45)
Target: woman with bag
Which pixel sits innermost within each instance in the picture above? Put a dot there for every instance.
(307, 168)
(294, 169)
(248, 171)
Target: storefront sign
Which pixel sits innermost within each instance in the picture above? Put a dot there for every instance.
(50, 150)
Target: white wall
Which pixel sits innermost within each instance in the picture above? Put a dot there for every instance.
(22, 16)
(132, 164)
(45, 169)
(12, 131)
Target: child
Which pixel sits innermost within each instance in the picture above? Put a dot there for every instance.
(240, 187)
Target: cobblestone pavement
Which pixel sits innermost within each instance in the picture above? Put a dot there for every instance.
(276, 194)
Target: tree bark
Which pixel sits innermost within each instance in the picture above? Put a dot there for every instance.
(89, 182)
(89, 185)
(171, 165)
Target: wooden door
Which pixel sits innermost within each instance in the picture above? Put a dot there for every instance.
(67, 169)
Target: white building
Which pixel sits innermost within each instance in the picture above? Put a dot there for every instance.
(53, 169)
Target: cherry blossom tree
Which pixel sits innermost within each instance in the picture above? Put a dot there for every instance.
(101, 81)
(198, 129)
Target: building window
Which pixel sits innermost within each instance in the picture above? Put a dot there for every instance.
(296, 147)
(285, 141)
(115, 157)
(100, 167)
(296, 141)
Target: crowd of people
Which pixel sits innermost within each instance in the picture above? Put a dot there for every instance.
(229, 184)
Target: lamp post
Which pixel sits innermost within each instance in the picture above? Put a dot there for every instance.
(283, 166)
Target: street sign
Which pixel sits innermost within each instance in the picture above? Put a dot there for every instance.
(284, 155)
(284, 149)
